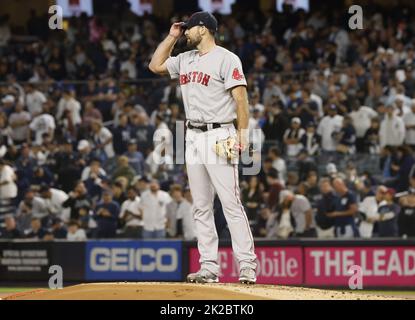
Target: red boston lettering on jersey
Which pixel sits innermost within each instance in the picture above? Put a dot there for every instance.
(205, 80)
(199, 77)
(183, 79)
(194, 76)
(236, 75)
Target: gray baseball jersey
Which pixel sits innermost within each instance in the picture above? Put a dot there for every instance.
(205, 81)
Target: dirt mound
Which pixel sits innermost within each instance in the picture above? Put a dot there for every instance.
(187, 291)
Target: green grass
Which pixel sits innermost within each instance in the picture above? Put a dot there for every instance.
(12, 290)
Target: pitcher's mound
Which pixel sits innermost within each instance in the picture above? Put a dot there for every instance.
(186, 291)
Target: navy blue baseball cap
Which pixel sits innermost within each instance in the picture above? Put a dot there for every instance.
(202, 18)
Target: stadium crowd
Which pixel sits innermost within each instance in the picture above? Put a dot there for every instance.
(79, 110)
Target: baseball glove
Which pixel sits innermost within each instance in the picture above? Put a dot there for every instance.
(227, 148)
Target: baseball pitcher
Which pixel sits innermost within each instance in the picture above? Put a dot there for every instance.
(214, 94)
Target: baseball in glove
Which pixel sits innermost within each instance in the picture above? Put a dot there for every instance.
(228, 148)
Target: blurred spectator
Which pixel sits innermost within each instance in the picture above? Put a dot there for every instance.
(292, 137)
(406, 218)
(326, 205)
(308, 110)
(103, 140)
(53, 200)
(386, 162)
(346, 137)
(392, 129)
(402, 165)
(266, 225)
(159, 161)
(96, 29)
(387, 219)
(8, 189)
(106, 216)
(369, 211)
(135, 158)
(31, 206)
(95, 184)
(371, 140)
(278, 163)
(251, 198)
(361, 119)
(118, 190)
(94, 170)
(122, 135)
(36, 230)
(276, 122)
(346, 210)
(41, 176)
(5, 32)
(311, 140)
(8, 104)
(128, 67)
(293, 180)
(5, 132)
(84, 153)
(332, 172)
(312, 189)
(365, 189)
(301, 211)
(402, 108)
(34, 100)
(90, 113)
(69, 104)
(274, 189)
(285, 219)
(179, 213)
(256, 104)
(19, 122)
(329, 125)
(131, 215)
(43, 126)
(79, 204)
(67, 165)
(75, 233)
(172, 93)
(305, 164)
(123, 169)
(409, 120)
(10, 231)
(142, 185)
(58, 231)
(153, 207)
(141, 131)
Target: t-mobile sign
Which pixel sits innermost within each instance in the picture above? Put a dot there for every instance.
(381, 266)
(275, 265)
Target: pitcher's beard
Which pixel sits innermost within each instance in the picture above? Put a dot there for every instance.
(192, 44)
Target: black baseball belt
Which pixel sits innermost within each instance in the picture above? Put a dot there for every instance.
(206, 126)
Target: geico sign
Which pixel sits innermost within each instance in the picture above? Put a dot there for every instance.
(131, 259)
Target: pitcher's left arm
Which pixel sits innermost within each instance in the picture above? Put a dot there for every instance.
(240, 96)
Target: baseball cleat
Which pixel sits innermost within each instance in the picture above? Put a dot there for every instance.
(247, 276)
(202, 276)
